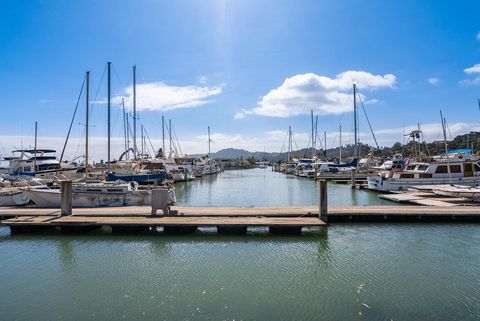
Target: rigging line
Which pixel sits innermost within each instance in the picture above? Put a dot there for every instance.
(178, 142)
(73, 118)
(150, 141)
(368, 120)
(118, 76)
(94, 103)
(283, 145)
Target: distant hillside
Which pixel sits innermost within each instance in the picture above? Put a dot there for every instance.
(471, 140)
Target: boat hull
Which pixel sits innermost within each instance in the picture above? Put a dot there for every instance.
(52, 198)
(381, 184)
(14, 199)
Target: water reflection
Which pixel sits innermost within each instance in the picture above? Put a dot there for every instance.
(258, 187)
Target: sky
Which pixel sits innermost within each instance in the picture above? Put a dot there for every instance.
(248, 69)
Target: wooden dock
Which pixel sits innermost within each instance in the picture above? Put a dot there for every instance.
(225, 219)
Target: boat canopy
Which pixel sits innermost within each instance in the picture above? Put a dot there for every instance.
(33, 151)
(458, 151)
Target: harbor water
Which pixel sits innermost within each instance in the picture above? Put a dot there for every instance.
(350, 272)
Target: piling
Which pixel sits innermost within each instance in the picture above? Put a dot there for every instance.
(353, 178)
(66, 198)
(323, 207)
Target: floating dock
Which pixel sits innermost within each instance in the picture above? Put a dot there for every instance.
(287, 220)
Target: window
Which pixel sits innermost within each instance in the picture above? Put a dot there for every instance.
(27, 169)
(455, 169)
(406, 175)
(422, 167)
(441, 170)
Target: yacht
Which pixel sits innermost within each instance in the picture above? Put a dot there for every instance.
(455, 167)
(206, 166)
(40, 163)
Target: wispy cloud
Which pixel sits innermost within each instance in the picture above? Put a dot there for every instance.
(299, 94)
(159, 96)
(478, 36)
(44, 101)
(433, 81)
(474, 70)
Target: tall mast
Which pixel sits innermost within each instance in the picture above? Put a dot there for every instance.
(135, 110)
(209, 140)
(109, 93)
(289, 143)
(141, 128)
(170, 135)
(340, 143)
(446, 145)
(163, 136)
(313, 134)
(124, 126)
(87, 91)
(35, 151)
(325, 138)
(355, 154)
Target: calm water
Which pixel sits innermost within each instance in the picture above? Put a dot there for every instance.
(262, 187)
(355, 272)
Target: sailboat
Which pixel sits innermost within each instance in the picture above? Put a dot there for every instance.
(87, 194)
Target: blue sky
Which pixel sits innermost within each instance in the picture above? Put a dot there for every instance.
(201, 63)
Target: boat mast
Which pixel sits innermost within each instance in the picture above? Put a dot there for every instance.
(313, 134)
(209, 140)
(325, 138)
(108, 101)
(87, 76)
(170, 136)
(289, 143)
(340, 144)
(446, 145)
(135, 111)
(35, 151)
(124, 126)
(163, 136)
(142, 140)
(355, 153)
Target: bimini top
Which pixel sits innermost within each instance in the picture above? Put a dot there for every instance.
(459, 151)
(33, 151)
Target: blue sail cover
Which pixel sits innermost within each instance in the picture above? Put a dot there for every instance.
(456, 151)
(155, 178)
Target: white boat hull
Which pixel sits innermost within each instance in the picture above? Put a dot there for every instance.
(50, 198)
(382, 184)
(14, 199)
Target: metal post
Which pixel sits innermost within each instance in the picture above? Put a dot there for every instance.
(323, 208)
(66, 196)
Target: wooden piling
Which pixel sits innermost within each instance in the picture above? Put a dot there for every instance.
(353, 178)
(66, 197)
(323, 207)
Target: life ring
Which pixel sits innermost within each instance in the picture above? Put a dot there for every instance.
(407, 161)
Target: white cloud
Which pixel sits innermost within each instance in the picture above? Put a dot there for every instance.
(299, 94)
(433, 81)
(159, 96)
(475, 69)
